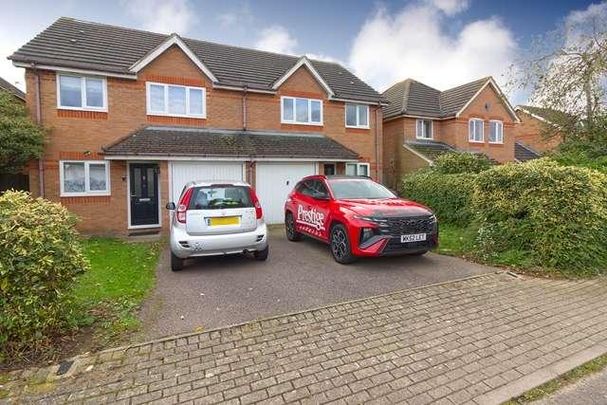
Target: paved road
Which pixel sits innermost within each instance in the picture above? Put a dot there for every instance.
(480, 340)
(589, 391)
(297, 276)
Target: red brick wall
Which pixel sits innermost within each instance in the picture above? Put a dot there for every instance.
(82, 134)
(531, 132)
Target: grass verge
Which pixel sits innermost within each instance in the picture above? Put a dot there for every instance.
(570, 377)
(106, 297)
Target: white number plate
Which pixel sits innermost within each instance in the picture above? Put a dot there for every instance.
(417, 237)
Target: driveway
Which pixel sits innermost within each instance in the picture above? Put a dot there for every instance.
(221, 291)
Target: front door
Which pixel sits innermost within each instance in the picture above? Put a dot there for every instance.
(143, 179)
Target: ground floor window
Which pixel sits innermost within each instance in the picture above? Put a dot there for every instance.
(86, 177)
(357, 169)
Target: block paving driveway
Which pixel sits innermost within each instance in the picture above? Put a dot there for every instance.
(478, 340)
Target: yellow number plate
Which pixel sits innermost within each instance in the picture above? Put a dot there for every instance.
(224, 221)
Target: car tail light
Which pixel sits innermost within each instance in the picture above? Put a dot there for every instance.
(256, 204)
(182, 206)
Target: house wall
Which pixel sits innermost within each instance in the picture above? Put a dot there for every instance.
(80, 135)
(531, 132)
(487, 106)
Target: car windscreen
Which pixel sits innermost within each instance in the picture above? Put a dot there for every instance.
(357, 189)
(220, 197)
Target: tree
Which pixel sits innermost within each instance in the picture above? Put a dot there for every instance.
(21, 140)
(566, 72)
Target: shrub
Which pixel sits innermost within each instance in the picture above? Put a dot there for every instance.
(40, 256)
(448, 195)
(462, 162)
(555, 214)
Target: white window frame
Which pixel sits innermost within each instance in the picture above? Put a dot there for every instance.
(471, 135)
(82, 78)
(87, 192)
(501, 132)
(358, 166)
(294, 121)
(357, 116)
(166, 112)
(418, 135)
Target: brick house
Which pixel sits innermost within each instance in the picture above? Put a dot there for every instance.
(134, 115)
(421, 122)
(537, 132)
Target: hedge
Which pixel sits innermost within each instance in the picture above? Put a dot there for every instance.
(40, 257)
(556, 214)
(461, 162)
(448, 195)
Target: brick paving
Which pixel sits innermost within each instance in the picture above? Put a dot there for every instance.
(479, 340)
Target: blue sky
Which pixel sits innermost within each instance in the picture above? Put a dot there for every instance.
(440, 42)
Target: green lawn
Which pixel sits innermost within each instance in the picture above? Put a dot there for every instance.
(120, 276)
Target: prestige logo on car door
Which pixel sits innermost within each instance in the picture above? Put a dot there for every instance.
(312, 219)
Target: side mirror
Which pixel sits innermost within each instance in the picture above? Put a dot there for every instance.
(170, 206)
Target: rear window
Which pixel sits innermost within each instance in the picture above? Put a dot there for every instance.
(220, 197)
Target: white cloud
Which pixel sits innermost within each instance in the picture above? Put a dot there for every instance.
(166, 16)
(237, 17)
(450, 7)
(414, 43)
(276, 39)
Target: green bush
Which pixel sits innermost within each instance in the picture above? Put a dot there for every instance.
(461, 162)
(448, 195)
(40, 257)
(557, 215)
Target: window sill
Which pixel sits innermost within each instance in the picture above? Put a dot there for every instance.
(418, 138)
(68, 195)
(477, 142)
(99, 110)
(357, 127)
(310, 124)
(496, 143)
(196, 117)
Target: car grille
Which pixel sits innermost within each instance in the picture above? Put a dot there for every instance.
(394, 246)
(406, 225)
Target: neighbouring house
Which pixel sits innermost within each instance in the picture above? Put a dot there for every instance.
(421, 122)
(6, 86)
(538, 132)
(134, 115)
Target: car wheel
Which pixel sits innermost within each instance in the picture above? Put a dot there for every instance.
(261, 255)
(176, 262)
(290, 230)
(340, 245)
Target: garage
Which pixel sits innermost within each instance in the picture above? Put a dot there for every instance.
(182, 172)
(273, 183)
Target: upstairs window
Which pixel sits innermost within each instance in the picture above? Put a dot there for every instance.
(496, 132)
(176, 101)
(423, 129)
(84, 177)
(81, 92)
(357, 116)
(305, 111)
(476, 130)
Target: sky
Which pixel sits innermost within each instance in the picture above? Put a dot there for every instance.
(442, 43)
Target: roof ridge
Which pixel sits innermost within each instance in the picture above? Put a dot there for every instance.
(483, 79)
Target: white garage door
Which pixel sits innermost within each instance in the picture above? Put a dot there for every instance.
(183, 172)
(274, 182)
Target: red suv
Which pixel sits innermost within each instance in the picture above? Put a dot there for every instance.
(358, 217)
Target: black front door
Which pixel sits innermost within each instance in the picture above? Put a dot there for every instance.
(143, 178)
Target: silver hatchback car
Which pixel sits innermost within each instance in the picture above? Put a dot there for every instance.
(217, 218)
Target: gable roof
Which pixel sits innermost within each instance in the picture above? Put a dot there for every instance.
(411, 97)
(4, 85)
(74, 44)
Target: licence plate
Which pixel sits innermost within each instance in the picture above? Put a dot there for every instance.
(219, 221)
(417, 237)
